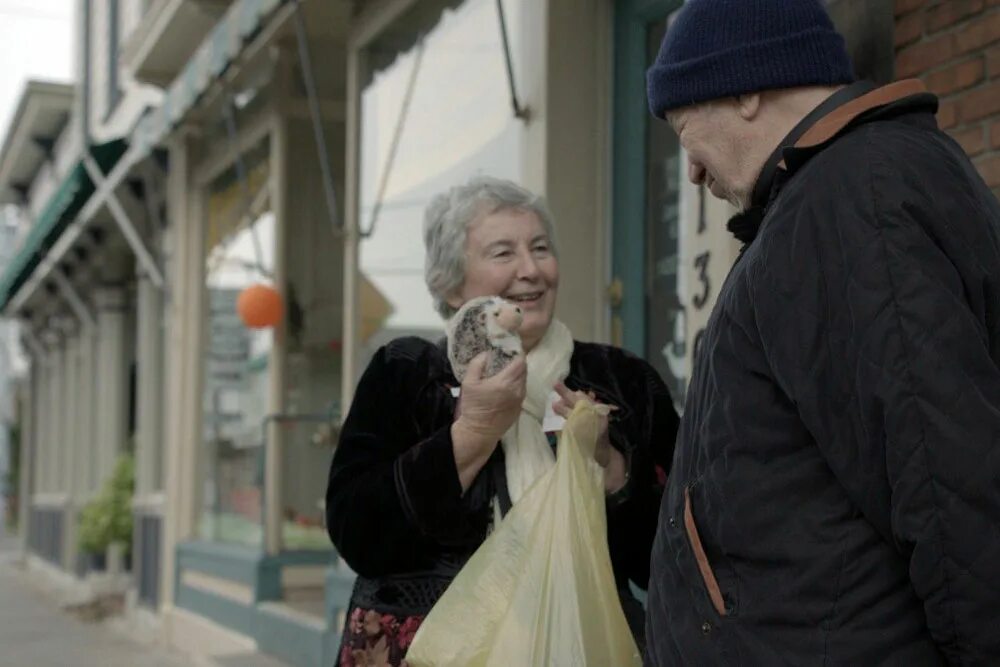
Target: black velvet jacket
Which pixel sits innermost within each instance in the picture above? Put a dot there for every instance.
(395, 507)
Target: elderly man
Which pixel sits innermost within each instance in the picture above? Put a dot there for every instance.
(835, 493)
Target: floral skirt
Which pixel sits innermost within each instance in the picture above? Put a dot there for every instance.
(372, 639)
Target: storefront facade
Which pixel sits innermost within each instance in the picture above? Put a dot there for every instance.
(295, 145)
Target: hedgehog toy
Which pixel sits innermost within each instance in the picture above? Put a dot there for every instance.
(487, 323)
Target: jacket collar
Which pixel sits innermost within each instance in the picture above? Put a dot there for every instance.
(895, 99)
(762, 189)
(851, 106)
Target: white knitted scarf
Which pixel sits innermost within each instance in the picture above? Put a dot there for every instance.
(526, 450)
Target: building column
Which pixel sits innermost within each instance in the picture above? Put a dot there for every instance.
(149, 394)
(185, 320)
(58, 447)
(86, 409)
(41, 411)
(48, 497)
(70, 448)
(149, 422)
(53, 431)
(61, 449)
(112, 379)
(29, 448)
(274, 451)
(565, 144)
(349, 352)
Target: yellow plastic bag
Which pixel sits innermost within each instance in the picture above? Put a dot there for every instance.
(540, 590)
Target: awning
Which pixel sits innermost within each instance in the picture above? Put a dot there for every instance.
(41, 114)
(242, 22)
(402, 35)
(71, 195)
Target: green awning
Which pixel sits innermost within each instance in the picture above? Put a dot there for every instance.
(59, 212)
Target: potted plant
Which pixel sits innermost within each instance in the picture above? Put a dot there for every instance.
(107, 519)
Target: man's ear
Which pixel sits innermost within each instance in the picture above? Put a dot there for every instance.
(748, 106)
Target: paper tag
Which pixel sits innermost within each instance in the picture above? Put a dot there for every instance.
(552, 423)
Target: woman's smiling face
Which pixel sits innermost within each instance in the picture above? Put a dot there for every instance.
(509, 254)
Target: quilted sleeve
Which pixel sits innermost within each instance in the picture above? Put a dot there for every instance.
(874, 322)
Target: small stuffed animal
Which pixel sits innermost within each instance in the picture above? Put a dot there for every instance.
(486, 323)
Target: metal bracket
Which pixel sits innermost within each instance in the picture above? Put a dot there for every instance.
(21, 190)
(397, 134)
(317, 121)
(243, 177)
(522, 112)
(124, 223)
(35, 347)
(46, 145)
(73, 297)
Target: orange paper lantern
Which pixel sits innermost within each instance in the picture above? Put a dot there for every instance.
(260, 306)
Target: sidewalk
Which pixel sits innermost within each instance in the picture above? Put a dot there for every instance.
(34, 632)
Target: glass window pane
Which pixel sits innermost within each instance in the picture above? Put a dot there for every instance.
(306, 452)
(688, 250)
(240, 253)
(665, 326)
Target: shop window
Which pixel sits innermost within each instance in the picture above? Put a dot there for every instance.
(240, 252)
(666, 316)
(677, 264)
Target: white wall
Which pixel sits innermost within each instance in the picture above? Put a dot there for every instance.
(563, 69)
(131, 13)
(109, 122)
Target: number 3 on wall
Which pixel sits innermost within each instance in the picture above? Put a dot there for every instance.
(701, 263)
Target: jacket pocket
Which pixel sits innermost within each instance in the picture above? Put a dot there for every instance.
(704, 567)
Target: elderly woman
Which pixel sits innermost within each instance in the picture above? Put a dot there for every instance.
(419, 473)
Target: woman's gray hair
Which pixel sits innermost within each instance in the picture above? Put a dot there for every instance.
(446, 225)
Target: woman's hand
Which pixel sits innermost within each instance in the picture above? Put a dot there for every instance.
(487, 408)
(606, 456)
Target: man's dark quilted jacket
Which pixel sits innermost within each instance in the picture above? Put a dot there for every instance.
(835, 492)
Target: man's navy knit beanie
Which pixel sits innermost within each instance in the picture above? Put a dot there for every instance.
(725, 48)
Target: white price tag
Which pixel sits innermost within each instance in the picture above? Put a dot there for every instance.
(552, 422)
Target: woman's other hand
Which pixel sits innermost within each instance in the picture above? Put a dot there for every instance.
(605, 454)
(487, 408)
